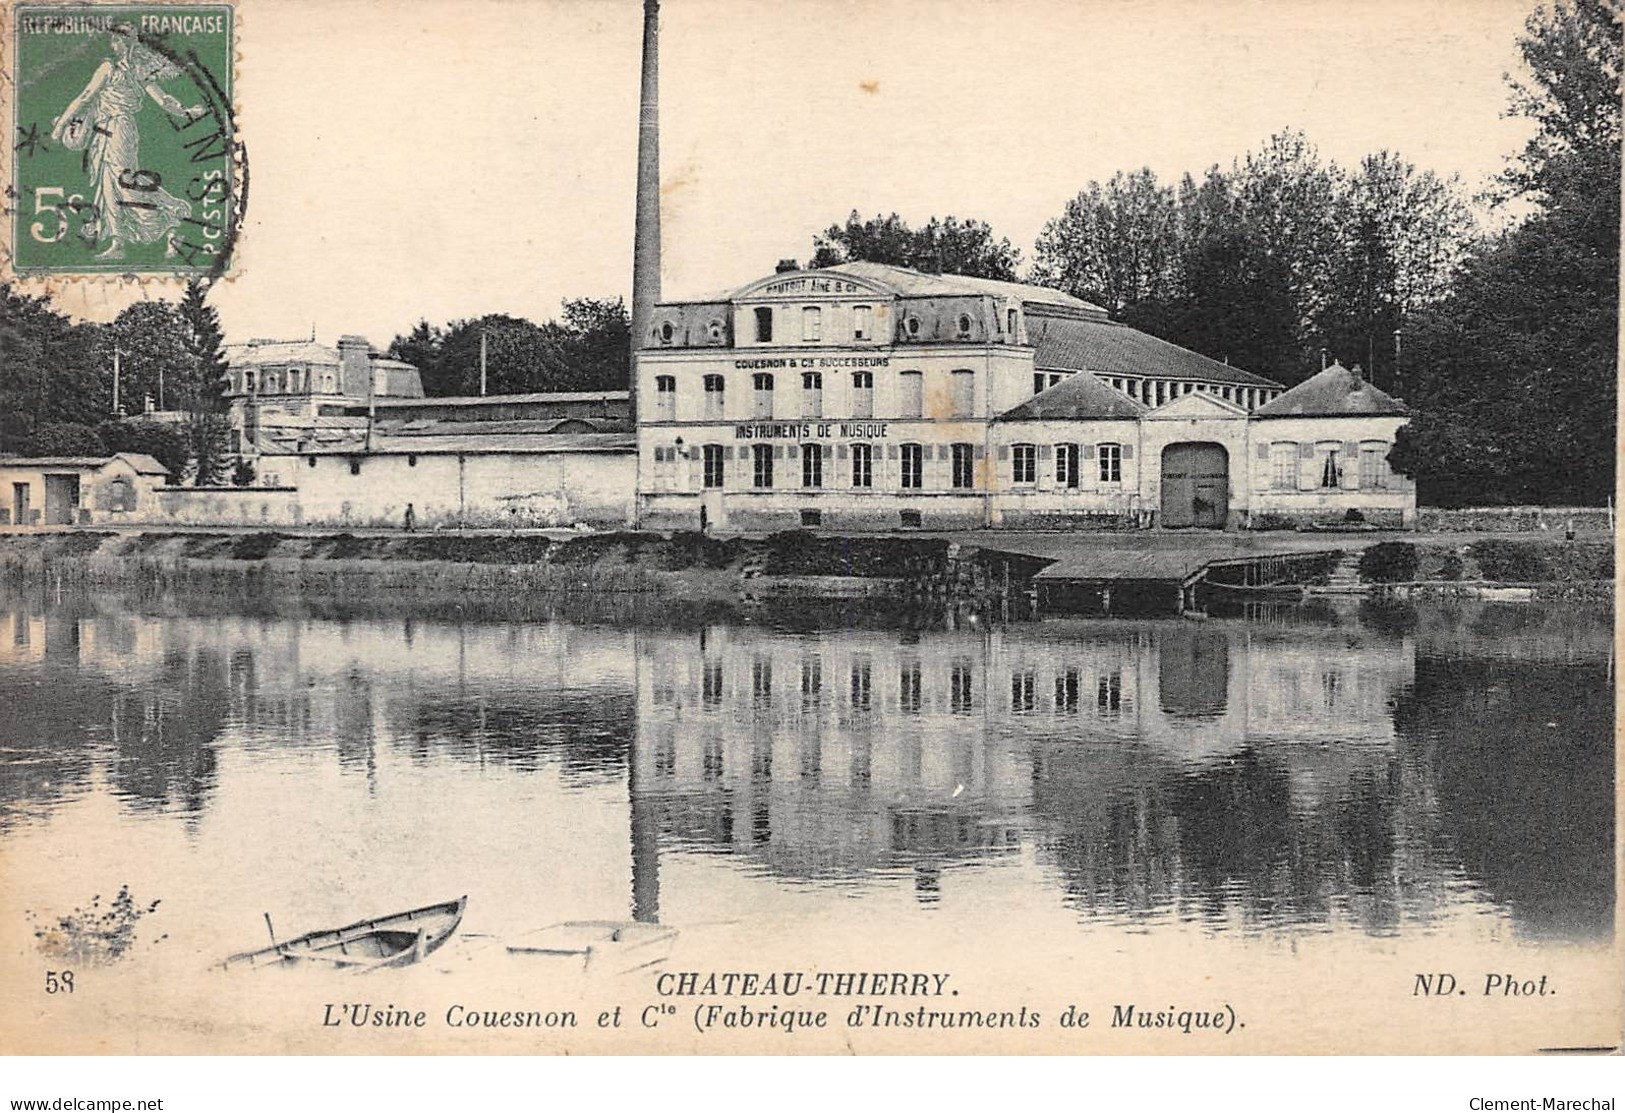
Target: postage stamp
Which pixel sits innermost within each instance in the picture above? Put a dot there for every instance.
(124, 149)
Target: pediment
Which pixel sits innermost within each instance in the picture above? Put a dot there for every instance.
(1201, 405)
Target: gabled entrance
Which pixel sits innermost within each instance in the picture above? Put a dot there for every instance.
(1195, 486)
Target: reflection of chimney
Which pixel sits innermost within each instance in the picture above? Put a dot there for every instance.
(646, 239)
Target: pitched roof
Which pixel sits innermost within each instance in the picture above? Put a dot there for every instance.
(143, 463)
(910, 283)
(1079, 398)
(53, 461)
(508, 399)
(139, 462)
(1110, 348)
(1335, 392)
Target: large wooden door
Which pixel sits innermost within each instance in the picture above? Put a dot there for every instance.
(1195, 486)
(61, 499)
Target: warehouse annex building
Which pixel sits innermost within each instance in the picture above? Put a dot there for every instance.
(866, 396)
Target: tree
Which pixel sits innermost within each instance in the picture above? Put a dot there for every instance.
(162, 441)
(1515, 372)
(203, 388)
(65, 438)
(1117, 246)
(1266, 262)
(156, 363)
(950, 246)
(49, 370)
(587, 350)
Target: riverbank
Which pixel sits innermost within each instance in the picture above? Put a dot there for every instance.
(531, 574)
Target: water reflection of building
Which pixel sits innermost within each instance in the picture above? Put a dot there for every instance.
(825, 756)
(831, 756)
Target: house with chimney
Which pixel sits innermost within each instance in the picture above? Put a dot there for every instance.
(871, 397)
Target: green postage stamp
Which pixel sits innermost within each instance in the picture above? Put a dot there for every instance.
(124, 150)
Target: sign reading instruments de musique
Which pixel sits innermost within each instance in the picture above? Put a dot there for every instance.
(809, 431)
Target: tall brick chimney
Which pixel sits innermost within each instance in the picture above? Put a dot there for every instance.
(646, 238)
(355, 365)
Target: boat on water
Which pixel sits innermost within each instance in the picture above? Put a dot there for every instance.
(602, 946)
(386, 941)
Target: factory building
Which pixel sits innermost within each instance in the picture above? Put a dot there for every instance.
(866, 396)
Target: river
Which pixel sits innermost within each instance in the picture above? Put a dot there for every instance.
(1442, 772)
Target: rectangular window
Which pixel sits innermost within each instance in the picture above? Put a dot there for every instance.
(1373, 466)
(961, 696)
(1023, 692)
(863, 474)
(912, 401)
(860, 322)
(913, 467)
(863, 394)
(713, 465)
(1066, 692)
(761, 459)
(713, 396)
(1010, 324)
(964, 393)
(964, 477)
(812, 323)
(1023, 464)
(861, 690)
(665, 397)
(1111, 462)
(1066, 465)
(812, 465)
(1284, 465)
(812, 394)
(764, 325)
(908, 688)
(1109, 695)
(763, 386)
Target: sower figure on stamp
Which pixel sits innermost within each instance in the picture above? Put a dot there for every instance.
(131, 206)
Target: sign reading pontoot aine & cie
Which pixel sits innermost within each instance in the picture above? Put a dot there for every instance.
(125, 157)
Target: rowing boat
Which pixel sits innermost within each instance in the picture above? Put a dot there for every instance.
(605, 946)
(387, 941)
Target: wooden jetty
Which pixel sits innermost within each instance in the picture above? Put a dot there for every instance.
(1164, 579)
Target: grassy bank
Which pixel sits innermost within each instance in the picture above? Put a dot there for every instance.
(528, 576)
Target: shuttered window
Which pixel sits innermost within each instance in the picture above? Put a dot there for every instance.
(1284, 465)
(761, 465)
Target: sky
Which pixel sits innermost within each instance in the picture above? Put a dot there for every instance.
(441, 159)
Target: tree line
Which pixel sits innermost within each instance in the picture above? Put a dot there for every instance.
(57, 383)
(1503, 342)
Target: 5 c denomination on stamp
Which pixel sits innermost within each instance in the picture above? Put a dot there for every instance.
(124, 149)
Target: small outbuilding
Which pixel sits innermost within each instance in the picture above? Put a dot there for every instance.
(78, 490)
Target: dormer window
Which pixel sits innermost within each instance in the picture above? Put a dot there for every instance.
(713, 330)
(1010, 323)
